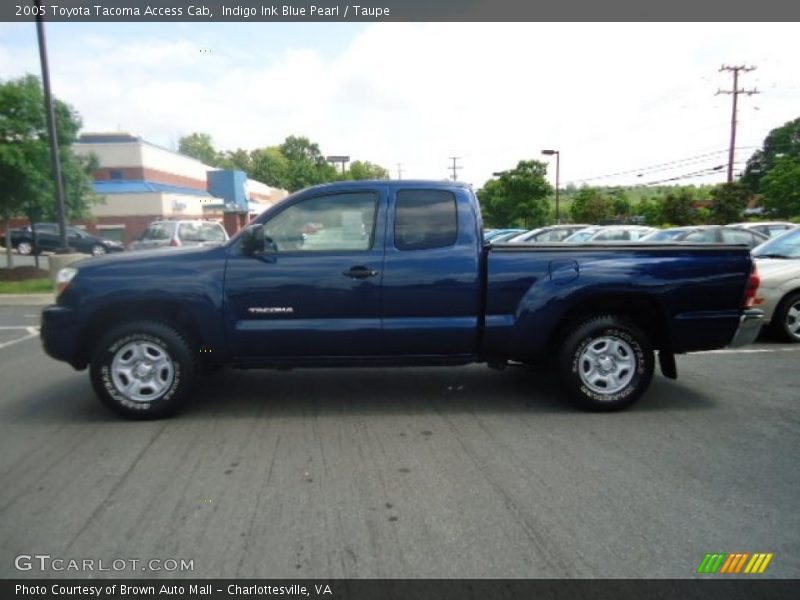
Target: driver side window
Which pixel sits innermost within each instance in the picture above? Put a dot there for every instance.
(337, 222)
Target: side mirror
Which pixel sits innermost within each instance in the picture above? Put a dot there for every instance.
(253, 240)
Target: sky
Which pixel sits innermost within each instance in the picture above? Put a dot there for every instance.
(610, 97)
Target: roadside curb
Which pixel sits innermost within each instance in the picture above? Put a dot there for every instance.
(27, 299)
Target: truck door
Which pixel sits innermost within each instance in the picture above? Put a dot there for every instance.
(315, 292)
(431, 279)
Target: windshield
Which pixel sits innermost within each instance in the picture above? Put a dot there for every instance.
(785, 246)
(663, 236)
(580, 236)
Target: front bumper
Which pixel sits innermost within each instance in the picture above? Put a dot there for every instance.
(60, 334)
(749, 326)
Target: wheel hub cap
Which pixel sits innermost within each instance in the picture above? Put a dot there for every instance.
(142, 371)
(607, 365)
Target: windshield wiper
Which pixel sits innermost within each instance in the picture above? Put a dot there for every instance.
(771, 256)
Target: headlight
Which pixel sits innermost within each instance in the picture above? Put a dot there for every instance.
(63, 278)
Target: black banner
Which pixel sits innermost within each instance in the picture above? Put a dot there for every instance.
(419, 589)
(399, 10)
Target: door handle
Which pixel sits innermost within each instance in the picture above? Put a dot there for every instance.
(360, 272)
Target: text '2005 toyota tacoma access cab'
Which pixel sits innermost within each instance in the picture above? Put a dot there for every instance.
(394, 273)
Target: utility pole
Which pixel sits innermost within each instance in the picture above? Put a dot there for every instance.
(734, 93)
(55, 162)
(455, 166)
(399, 170)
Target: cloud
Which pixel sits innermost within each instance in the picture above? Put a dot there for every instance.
(611, 97)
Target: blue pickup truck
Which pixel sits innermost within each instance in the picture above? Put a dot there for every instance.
(394, 273)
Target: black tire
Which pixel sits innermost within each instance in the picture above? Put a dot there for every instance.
(606, 342)
(781, 325)
(176, 375)
(98, 250)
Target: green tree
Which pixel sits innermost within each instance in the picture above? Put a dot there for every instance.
(200, 146)
(239, 160)
(677, 208)
(366, 170)
(622, 204)
(590, 205)
(495, 209)
(306, 166)
(728, 201)
(781, 188)
(26, 181)
(270, 166)
(650, 209)
(781, 142)
(519, 196)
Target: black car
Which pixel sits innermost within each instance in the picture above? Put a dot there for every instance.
(707, 234)
(47, 239)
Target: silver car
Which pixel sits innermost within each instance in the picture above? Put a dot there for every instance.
(609, 233)
(166, 234)
(778, 263)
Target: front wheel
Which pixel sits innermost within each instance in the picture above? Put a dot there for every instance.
(98, 250)
(143, 370)
(786, 320)
(606, 363)
(25, 248)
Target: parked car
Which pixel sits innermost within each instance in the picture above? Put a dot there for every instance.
(491, 234)
(770, 229)
(504, 237)
(48, 239)
(707, 234)
(609, 233)
(173, 234)
(778, 263)
(547, 235)
(419, 289)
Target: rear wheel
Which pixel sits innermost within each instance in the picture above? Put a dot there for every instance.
(606, 363)
(24, 247)
(143, 370)
(786, 320)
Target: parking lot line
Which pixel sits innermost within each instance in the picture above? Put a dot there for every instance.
(751, 350)
(32, 332)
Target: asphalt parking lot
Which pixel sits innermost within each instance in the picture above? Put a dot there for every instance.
(394, 473)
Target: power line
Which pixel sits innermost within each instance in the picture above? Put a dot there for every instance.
(701, 173)
(455, 167)
(734, 93)
(654, 168)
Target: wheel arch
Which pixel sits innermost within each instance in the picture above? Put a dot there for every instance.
(643, 310)
(169, 312)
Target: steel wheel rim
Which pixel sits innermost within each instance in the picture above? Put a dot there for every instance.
(24, 248)
(607, 365)
(792, 321)
(142, 371)
(98, 251)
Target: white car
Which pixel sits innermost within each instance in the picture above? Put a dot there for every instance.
(770, 229)
(172, 234)
(609, 233)
(778, 262)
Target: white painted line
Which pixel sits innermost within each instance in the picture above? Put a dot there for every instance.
(18, 327)
(751, 351)
(30, 336)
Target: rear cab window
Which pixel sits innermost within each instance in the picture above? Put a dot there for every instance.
(159, 231)
(425, 219)
(201, 232)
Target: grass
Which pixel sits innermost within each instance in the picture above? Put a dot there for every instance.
(30, 286)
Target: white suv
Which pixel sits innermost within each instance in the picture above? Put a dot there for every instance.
(166, 234)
